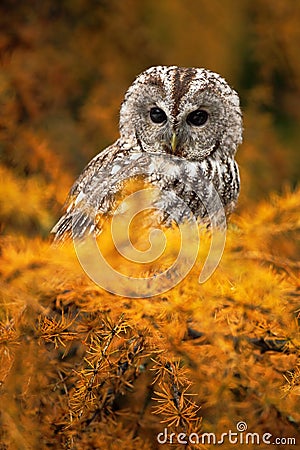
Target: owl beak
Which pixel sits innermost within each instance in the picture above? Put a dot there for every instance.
(173, 142)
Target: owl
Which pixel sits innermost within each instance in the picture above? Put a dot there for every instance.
(180, 128)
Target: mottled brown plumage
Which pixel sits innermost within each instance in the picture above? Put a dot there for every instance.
(180, 128)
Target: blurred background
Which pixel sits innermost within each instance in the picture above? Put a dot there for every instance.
(65, 66)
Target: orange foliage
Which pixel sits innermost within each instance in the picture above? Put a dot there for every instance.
(79, 367)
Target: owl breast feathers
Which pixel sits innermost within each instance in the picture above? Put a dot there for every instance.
(179, 128)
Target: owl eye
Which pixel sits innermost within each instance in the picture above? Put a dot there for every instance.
(197, 118)
(157, 115)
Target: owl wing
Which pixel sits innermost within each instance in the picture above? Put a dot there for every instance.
(91, 194)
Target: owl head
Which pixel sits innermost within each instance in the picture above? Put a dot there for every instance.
(186, 112)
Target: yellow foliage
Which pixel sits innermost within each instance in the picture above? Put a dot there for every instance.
(96, 364)
(81, 368)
